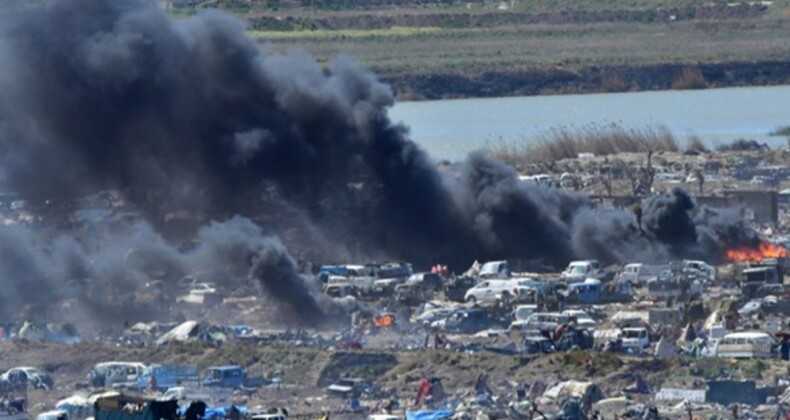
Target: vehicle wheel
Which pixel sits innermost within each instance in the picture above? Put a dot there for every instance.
(471, 299)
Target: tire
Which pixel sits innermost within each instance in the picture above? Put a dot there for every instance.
(471, 299)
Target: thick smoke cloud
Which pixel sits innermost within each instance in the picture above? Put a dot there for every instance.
(193, 115)
(103, 273)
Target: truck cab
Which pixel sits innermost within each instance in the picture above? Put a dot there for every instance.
(588, 291)
(635, 337)
(581, 270)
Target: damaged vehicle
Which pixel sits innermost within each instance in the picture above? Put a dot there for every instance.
(580, 270)
(230, 377)
(29, 377)
(115, 374)
(465, 321)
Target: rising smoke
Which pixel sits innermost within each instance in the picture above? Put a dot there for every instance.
(192, 114)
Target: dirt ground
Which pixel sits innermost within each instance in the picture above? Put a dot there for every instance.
(306, 371)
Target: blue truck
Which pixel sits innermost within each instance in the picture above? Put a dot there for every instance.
(230, 377)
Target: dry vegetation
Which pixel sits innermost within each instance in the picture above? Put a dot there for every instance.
(599, 140)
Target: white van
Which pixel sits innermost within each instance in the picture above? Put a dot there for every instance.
(544, 321)
(746, 345)
(638, 273)
(115, 374)
(488, 291)
(581, 270)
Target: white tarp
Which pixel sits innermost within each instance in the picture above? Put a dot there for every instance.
(678, 394)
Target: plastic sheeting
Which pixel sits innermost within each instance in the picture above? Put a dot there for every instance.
(428, 415)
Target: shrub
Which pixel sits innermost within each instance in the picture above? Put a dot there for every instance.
(689, 78)
(741, 145)
(695, 146)
(600, 140)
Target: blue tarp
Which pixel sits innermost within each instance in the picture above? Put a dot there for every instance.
(214, 412)
(428, 415)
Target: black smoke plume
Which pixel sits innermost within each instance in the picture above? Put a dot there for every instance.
(194, 115)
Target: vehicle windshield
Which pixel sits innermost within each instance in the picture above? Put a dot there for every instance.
(577, 269)
(631, 334)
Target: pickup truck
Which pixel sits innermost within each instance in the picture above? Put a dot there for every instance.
(230, 377)
(162, 377)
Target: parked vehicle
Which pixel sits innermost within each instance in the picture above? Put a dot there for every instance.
(53, 415)
(588, 291)
(30, 377)
(667, 286)
(536, 344)
(465, 321)
(639, 273)
(635, 337)
(115, 374)
(347, 387)
(272, 414)
(202, 288)
(389, 276)
(230, 377)
(495, 270)
(339, 290)
(522, 314)
(428, 281)
(360, 277)
(489, 291)
(527, 289)
(162, 377)
(544, 321)
(746, 345)
(583, 319)
(699, 270)
(188, 394)
(581, 270)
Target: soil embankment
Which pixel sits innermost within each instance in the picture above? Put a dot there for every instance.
(590, 80)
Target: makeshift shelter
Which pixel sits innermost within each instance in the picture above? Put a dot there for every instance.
(125, 407)
(427, 415)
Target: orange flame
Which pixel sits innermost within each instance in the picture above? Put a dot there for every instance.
(384, 321)
(765, 250)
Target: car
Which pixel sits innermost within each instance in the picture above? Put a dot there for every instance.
(542, 321)
(347, 387)
(464, 321)
(488, 291)
(583, 319)
(27, 376)
(115, 374)
(202, 289)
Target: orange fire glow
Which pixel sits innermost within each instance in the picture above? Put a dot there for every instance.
(765, 250)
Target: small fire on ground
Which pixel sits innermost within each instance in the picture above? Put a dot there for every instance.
(765, 250)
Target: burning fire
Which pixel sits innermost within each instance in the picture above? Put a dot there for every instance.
(765, 250)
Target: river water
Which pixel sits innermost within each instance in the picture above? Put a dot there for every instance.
(449, 129)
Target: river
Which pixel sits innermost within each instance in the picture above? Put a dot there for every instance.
(449, 129)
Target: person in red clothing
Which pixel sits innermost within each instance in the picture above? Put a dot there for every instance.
(424, 391)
